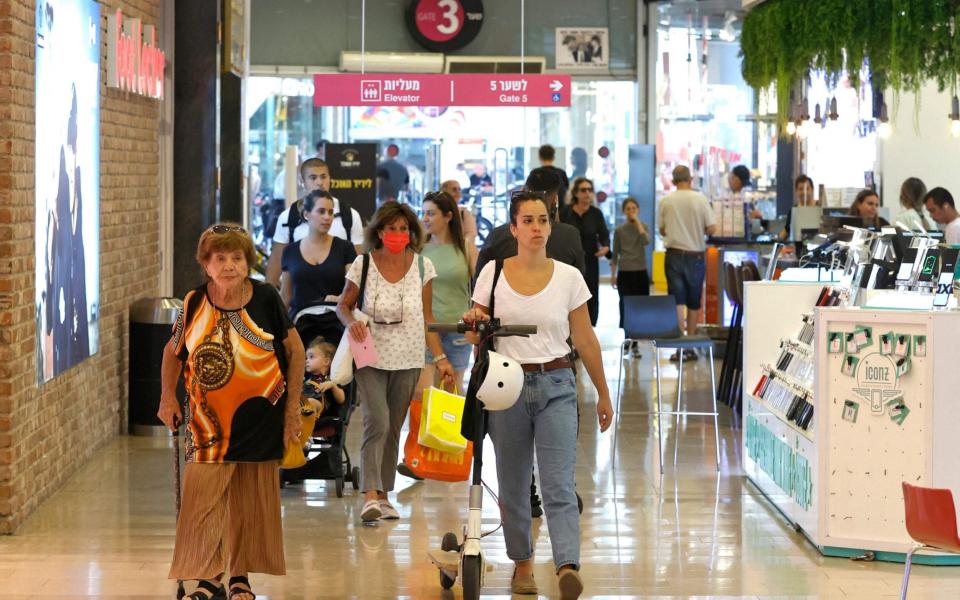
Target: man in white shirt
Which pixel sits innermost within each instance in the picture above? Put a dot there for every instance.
(685, 217)
(316, 176)
(942, 209)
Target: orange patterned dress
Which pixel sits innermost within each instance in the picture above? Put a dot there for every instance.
(234, 371)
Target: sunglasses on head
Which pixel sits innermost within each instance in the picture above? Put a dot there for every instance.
(527, 194)
(221, 229)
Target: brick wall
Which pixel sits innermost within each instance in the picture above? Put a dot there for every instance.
(48, 431)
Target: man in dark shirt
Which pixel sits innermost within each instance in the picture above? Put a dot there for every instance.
(564, 241)
(547, 155)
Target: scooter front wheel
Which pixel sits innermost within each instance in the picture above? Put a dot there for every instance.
(470, 577)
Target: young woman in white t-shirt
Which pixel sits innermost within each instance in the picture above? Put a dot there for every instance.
(536, 290)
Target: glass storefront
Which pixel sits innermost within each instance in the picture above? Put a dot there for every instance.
(439, 143)
(708, 118)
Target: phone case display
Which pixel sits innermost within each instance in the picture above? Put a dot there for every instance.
(779, 455)
(878, 396)
(883, 413)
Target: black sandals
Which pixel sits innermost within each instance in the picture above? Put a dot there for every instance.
(240, 585)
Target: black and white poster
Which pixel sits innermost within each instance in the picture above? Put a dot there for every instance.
(582, 49)
(67, 171)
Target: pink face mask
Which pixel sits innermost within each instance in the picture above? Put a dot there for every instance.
(395, 241)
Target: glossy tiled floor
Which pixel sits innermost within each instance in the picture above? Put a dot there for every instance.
(694, 533)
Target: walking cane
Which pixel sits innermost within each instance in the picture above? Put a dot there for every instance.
(176, 473)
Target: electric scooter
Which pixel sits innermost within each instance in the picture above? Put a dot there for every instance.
(465, 559)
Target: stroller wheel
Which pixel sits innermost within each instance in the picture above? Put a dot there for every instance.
(450, 542)
(339, 483)
(355, 478)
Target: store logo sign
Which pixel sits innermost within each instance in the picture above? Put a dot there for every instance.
(350, 159)
(134, 63)
(877, 381)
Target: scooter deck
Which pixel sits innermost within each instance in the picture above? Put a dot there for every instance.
(448, 561)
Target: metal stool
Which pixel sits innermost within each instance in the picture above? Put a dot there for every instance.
(653, 319)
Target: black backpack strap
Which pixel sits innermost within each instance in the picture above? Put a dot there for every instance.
(497, 267)
(363, 279)
(294, 218)
(346, 217)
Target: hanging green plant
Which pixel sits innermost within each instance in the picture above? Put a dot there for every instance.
(903, 43)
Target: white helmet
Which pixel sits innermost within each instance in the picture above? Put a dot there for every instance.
(502, 384)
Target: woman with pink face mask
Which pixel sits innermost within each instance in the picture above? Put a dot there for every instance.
(397, 299)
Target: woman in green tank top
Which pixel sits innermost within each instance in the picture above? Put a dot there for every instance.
(446, 248)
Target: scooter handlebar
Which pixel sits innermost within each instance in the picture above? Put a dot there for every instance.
(481, 326)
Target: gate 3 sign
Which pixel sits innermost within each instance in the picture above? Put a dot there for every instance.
(378, 89)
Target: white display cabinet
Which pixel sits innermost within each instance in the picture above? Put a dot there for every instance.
(883, 414)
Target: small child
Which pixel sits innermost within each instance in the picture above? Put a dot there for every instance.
(316, 383)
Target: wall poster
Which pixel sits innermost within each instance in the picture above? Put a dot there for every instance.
(67, 171)
(582, 49)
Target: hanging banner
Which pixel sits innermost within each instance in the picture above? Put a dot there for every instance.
(67, 179)
(474, 89)
(353, 176)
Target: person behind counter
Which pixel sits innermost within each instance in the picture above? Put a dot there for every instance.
(866, 207)
(914, 215)
(944, 211)
(803, 191)
(739, 178)
(802, 196)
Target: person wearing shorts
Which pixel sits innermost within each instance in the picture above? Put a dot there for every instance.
(685, 217)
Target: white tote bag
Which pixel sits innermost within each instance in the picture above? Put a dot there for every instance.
(341, 369)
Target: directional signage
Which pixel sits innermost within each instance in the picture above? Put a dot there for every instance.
(391, 89)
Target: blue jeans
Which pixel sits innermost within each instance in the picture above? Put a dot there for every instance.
(545, 418)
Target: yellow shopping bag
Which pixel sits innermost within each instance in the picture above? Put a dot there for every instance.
(440, 420)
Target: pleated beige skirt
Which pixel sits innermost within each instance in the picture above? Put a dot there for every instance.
(229, 521)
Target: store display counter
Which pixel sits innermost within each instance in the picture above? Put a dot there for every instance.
(841, 405)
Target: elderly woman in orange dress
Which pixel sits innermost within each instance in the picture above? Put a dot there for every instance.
(241, 359)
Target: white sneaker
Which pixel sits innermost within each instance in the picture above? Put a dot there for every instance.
(387, 510)
(371, 511)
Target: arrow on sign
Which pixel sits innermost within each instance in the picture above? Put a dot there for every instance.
(556, 85)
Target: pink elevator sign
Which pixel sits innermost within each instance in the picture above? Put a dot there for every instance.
(391, 89)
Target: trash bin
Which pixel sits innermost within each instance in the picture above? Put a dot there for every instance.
(151, 323)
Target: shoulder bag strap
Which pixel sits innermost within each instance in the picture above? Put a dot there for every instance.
(363, 279)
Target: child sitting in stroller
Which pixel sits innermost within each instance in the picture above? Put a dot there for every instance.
(327, 456)
(316, 382)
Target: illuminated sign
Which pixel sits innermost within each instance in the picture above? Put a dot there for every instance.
(134, 63)
(469, 89)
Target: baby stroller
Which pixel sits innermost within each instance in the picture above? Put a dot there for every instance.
(327, 457)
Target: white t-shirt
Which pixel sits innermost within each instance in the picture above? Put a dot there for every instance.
(282, 233)
(951, 233)
(549, 309)
(684, 216)
(400, 345)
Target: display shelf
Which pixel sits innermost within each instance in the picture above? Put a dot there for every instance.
(839, 481)
(779, 414)
(801, 386)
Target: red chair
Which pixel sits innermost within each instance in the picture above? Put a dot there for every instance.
(931, 522)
